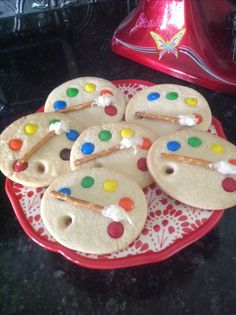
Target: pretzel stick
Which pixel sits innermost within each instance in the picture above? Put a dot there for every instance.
(114, 212)
(157, 117)
(36, 147)
(76, 201)
(183, 120)
(75, 107)
(186, 159)
(98, 155)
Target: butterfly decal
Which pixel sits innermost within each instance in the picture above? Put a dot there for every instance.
(168, 46)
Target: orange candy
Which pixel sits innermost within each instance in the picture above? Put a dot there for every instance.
(15, 144)
(106, 91)
(233, 162)
(199, 118)
(145, 144)
(126, 203)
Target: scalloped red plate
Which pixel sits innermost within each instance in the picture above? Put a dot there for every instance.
(170, 225)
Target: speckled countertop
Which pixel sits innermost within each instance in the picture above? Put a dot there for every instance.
(200, 279)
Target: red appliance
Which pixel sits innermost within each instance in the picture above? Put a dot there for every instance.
(188, 39)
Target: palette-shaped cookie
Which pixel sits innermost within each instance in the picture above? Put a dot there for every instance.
(169, 107)
(88, 89)
(102, 138)
(32, 154)
(196, 168)
(80, 227)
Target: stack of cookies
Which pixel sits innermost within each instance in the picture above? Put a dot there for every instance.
(96, 154)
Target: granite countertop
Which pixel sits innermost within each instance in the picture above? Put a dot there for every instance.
(200, 279)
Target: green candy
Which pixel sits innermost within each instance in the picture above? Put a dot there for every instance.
(105, 135)
(194, 142)
(87, 182)
(53, 121)
(172, 96)
(72, 92)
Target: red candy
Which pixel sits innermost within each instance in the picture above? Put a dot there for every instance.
(17, 167)
(142, 164)
(115, 229)
(110, 110)
(229, 184)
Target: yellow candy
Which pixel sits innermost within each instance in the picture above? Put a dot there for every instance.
(191, 101)
(110, 185)
(217, 148)
(127, 133)
(31, 129)
(90, 87)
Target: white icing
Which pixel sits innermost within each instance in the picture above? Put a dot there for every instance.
(223, 167)
(187, 120)
(116, 213)
(59, 127)
(102, 100)
(131, 143)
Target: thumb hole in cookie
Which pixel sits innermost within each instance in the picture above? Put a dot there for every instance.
(40, 168)
(65, 222)
(169, 169)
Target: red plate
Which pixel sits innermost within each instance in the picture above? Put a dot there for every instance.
(170, 225)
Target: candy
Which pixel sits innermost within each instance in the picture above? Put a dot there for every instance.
(15, 144)
(72, 92)
(115, 229)
(126, 203)
(18, 167)
(31, 129)
(142, 164)
(172, 96)
(106, 91)
(87, 148)
(146, 144)
(72, 135)
(65, 154)
(110, 185)
(229, 184)
(191, 101)
(87, 182)
(105, 135)
(194, 142)
(173, 145)
(53, 121)
(90, 87)
(58, 105)
(153, 96)
(110, 110)
(127, 133)
(65, 191)
(217, 148)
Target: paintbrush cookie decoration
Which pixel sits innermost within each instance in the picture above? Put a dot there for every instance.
(90, 100)
(35, 149)
(196, 168)
(166, 108)
(120, 146)
(94, 210)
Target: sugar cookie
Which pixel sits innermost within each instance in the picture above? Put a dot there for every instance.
(106, 103)
(35, 149)
(177, 107)
(101, 139)
(196, 168)
(115, 220)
